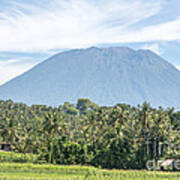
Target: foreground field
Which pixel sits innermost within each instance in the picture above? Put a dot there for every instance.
(13, 171)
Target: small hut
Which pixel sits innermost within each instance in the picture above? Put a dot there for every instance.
(5, 146)
(167, 164)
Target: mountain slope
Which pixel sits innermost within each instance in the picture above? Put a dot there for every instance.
(107, 76)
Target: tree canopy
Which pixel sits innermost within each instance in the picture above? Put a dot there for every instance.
(119, 136)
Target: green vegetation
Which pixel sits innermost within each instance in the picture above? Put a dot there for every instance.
(121, 137)
(52, 172)
(18, 157)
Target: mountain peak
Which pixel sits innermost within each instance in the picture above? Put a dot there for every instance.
(121, 48)
(107, 76)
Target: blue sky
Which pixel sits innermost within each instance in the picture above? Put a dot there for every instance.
(31, 30)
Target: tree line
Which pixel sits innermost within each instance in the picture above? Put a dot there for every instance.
(120, 136)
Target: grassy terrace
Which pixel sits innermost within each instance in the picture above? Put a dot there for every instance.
(18, 171)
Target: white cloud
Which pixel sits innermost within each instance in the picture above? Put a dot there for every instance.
(79, 23)
(12, 68)
(153, 47)
(169, 31)
(178, 67)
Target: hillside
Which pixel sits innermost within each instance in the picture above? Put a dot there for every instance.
(105, 75)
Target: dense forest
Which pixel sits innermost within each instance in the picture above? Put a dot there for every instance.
(120, 136)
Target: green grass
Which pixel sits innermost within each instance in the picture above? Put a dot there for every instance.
(19, 171)
(17, 157)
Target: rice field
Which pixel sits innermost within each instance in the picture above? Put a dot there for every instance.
(19, 171)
